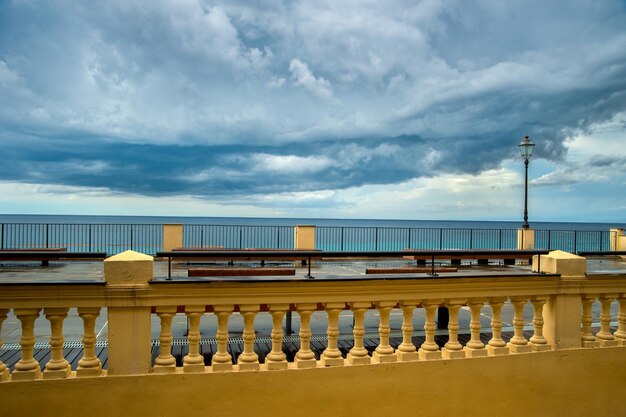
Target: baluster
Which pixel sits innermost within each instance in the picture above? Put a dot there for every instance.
(496, 345)
(430, 349)
(587, 338)
(453, 349)
(193, 361)
(358, 354)
(89, 364)
(305, 358)
(407, 350)
(518, 343)
(248, 360)
(222, 361)
(331, 355)
(277, 359)
(538, 342)
(57, 367)
(475, 348)
(165, 363)
(604, 336)
(4, 370)
(27, 368)
(620, 334)
(384, 352)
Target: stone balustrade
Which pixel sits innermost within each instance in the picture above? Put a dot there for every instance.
(561, 308)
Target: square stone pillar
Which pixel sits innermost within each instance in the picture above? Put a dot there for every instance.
(562, 312)
(304, 237)
(525, 239)
(172, 236)
(129, 327)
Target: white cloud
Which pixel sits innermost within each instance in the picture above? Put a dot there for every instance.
(290, 163)
(302, 76)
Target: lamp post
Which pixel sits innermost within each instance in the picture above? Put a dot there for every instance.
(526, 147)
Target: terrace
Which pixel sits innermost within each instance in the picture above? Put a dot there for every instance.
(518, 340)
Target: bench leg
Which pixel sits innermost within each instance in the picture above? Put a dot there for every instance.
(483, 261)
(509, 261)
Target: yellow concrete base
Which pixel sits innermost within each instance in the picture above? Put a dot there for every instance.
(407, 356)
(452, 354)
(222, 367)
(249, 366)
(475, 353)
(90, 372)
(276, 366)
(57, 374)
(26, 375)
(305, 363)
(497, 350)
(519, 348)
(539, 348)
(5, 375)
(377, 358)
(193, 367)
(573, 383)
(157, 369)
(358, 360)
(608, 343)
(590, 344)
(328, 362)
(427, 355)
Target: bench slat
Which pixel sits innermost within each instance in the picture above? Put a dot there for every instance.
(238, 272)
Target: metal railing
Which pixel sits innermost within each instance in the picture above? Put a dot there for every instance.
(338, 238)
(238, 236)
(148, 238)
(573, 240)
(110, 238)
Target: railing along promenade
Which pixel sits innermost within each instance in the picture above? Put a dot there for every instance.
(561, 298)
(149, 238)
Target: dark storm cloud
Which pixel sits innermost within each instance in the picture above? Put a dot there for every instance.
(227, 98)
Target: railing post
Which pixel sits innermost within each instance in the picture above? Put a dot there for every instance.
(562, 312)
(172, 236)
(2, 237)
(376, 239)
(129, 327)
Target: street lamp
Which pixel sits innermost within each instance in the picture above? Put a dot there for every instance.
(526, 147)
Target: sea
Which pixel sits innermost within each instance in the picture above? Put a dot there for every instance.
(276, 221)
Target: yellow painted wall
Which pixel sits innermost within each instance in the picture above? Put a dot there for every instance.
(578, 382)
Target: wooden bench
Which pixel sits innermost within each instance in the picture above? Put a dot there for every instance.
(247, 254)
(16, 253)
(239, 272)
(408, 270)
(46, 255)
(481, 257)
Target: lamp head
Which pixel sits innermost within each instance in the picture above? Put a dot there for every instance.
(526, 147)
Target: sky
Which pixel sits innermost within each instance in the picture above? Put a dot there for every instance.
(321, 109)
